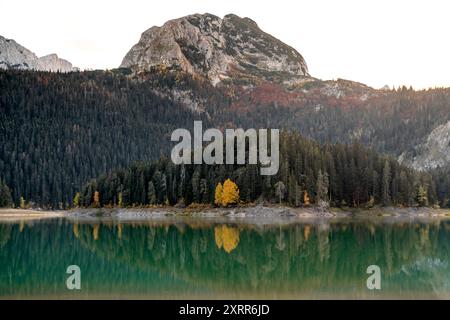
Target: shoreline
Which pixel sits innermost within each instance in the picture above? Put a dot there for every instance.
(14, 215)
(252, 214)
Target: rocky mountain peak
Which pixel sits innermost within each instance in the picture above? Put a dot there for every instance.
(53, 63)
(216, 48)
(15, 56)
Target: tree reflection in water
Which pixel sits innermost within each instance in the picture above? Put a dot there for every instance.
(195, 258)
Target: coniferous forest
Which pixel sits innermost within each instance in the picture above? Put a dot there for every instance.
(60, 131)
(343, 175)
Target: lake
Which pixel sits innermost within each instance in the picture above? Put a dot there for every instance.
(203, 258)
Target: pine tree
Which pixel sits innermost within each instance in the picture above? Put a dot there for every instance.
(266, 187)
(151, 193)
(422, 196)
(280, 190)
(160, 183)
(385, 187)
(204, 191)
(181, 189)
(322, 186)
(298, 195)
(5, 195)
(375, 185)
(196, 186)
(141, 189)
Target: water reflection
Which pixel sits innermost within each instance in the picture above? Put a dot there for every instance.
(196, 259)
(226, 237)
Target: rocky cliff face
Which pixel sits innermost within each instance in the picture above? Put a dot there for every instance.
(433, 152)
(53, 63)
(15, 56)
(217, 49)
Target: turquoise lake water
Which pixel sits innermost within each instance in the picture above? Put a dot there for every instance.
(203, 259)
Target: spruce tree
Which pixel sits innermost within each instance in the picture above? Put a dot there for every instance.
(151, 193)
(385, 185)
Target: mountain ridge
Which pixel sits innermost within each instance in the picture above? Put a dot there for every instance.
(15, 56)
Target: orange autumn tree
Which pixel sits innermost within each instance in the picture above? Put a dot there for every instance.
(306, 200)
(230, 193)
(218, 194)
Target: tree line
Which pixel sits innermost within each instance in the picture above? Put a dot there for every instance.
(310, 173)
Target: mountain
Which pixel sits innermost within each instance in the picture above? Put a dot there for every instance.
(15, 56)
(217, 49)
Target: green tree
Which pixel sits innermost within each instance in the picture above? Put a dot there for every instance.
(76, 200)
(422, 196)
(385, 186)
(322, 187)
(160, 182)
(196, 192)
(120, 200)
(5, 195)
(280, 190)
(151, 193)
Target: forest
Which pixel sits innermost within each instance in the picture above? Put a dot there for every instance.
(310, 173)
(58, 131)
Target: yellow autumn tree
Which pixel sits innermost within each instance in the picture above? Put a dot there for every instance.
(96, 203)
(23, 204)
(230, 193)
(218, 194)
(306, 200)
(76, 200)
(120, 203)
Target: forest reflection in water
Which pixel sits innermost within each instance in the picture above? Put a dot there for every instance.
(212, 260)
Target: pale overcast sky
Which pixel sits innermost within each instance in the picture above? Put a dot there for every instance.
(393, 42)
